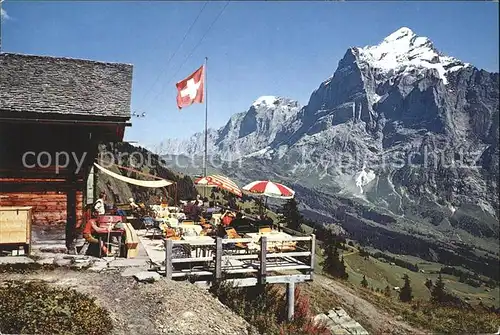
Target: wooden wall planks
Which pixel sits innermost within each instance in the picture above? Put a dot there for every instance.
(49, 207)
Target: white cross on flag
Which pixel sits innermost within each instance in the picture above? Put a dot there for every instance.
(190, 90)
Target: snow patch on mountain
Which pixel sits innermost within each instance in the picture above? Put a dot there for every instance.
(266, 100)
(363, 178)
(259, 153)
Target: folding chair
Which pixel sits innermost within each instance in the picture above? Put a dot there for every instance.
(153, 225)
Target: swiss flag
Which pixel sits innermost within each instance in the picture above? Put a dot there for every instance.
(190, 90)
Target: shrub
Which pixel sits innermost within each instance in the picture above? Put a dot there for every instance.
(36, 308)
(364, 282)
(265, 308)
(25, 267)
(451, 320)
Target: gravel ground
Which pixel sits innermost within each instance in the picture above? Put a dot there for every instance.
(162, 307)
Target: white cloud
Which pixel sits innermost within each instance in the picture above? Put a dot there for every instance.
(4, 14)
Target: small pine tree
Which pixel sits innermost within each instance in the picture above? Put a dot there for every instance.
(387, 291)
(291, 215)
(405, 295)
(438, 293)
(429, 284)
(343, 272)
(364, 282)
(332, 265)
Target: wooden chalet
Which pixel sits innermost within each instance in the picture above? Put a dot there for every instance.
(50, 106)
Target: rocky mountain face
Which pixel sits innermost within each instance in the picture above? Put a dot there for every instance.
(265, 122)
(400, 129)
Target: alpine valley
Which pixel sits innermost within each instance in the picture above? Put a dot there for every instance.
(399, 146)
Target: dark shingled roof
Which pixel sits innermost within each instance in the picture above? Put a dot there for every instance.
(42, 84)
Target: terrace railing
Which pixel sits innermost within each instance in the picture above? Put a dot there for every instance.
(222, 259)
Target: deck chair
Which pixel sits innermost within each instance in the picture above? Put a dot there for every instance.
(265, 229)
(231, 234)
(172, 234)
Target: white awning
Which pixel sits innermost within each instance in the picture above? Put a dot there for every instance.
(144, 183)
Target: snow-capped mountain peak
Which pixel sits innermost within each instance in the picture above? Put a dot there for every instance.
(404, 51)
(265, 100)
(401, 33)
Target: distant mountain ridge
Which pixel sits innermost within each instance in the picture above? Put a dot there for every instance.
(399, 127)
(259, 127)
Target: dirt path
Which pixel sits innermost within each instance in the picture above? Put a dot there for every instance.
(371, 317)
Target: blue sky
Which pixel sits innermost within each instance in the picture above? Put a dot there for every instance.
(254, 48)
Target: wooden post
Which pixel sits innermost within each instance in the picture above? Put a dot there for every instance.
(71, 216)
(313, 254)
(218, 258)
(168, 258)
(263, 256)
(291, 300)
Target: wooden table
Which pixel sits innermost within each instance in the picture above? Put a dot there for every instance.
(272, 245)
(103, 237)
(194, 227)
(200, 251)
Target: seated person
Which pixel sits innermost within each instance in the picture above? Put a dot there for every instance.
(181, 216)
(227, 218)
(198, 202)
(134, 208)
(99, 207)
(266, 221)
(242, 224)
(239, 220)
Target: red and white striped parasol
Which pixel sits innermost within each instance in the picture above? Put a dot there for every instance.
(269, 189)
(219, 181)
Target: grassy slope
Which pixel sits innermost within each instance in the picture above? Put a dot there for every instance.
(380, 274)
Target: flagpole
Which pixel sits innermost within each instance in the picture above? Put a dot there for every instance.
(206, 122)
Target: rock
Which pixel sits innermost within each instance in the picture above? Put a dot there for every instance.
(129, 272)
(63, 261)
(341, 312)
(81, 265)
(98, 266)
(358, 330)
(188, 315)
(339, 322)
(147, 276)
(46, 261)
(128, 262)
(16, 260)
